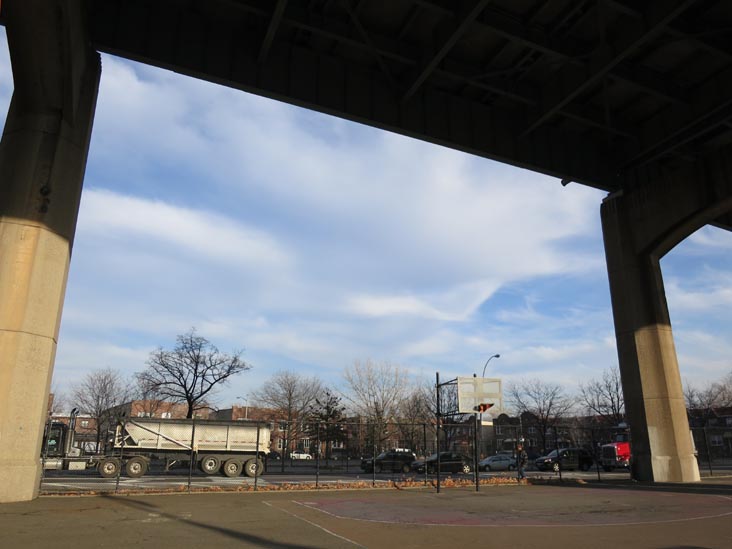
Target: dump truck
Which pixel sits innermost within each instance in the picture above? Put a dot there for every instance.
(229, 447)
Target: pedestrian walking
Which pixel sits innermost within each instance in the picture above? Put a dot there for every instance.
(521, 459)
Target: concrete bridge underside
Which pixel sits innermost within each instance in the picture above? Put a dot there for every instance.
(629, 97)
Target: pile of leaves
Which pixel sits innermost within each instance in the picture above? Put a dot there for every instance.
(406, 483)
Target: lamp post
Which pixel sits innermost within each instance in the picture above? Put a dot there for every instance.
(478, 434)
(245, 400)
(487, 361)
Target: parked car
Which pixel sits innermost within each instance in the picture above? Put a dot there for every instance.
(499, 462)
(450, 462)
(395, 460)
(300, 455)
(565, 459)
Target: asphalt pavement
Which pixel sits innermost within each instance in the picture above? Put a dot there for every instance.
(545, 514)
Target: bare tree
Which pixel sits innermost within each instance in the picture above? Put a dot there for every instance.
(150, 402)
(416, 418)
(57, 401)
(291, 395)
(190, 372)
(726, 396)
(604, 397)
(546, 401)
(100, 394)
(703, 401)
(375, 392)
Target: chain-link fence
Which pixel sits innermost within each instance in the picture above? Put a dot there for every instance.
(713, 448)
(189, 455)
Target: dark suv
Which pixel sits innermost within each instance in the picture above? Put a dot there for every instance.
(565, 458)
(450, 462)
(399, 460)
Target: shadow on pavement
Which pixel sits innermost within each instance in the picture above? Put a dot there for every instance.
(239, 536)
(713, 488)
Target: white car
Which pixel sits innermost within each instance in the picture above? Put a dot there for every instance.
(499, 462)
(300, 455)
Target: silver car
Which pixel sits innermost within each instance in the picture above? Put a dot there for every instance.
(500, 462)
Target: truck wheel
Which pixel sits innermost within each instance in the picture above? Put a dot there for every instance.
(232, 468)
(253, 467)
(108, 467)
(136, 467)
(210, 465)
(406, 468)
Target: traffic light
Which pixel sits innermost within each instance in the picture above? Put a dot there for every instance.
(483, 407)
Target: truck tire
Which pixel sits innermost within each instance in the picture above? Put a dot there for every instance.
(232, 468)
(108, 467)
(210, 464)
(136, 467)
(406, 468)
(253, 467)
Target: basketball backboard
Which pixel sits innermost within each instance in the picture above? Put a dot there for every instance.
(474, 391)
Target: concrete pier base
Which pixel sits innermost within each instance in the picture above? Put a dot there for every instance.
(42, 160)
(640, 225)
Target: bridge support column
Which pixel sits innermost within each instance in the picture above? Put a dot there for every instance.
(654, 399)
(639, 227)
(42, 161)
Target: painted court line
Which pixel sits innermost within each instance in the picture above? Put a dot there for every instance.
(568, 525)
(314, 524)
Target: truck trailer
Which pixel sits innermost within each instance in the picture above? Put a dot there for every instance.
(229, 447)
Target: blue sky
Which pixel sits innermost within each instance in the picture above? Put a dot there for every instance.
(312, 242)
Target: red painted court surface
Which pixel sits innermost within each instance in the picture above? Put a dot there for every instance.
(516, 517)
(543, 507)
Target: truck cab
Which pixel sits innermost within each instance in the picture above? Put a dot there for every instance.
(58, 446)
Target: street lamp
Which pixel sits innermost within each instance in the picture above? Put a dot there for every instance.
(487, 361)
(479, 420)
(246, 405)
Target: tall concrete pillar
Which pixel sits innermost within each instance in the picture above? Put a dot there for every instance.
(42, 161)
(640, 225)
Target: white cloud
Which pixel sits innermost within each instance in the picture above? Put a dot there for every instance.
(712, 238)
(204, 235)
(310, 242)
(711, 290)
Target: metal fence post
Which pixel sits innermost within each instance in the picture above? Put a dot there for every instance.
(424, 449)
(317, 456)
(598, 453)
(437, 430)
(709, 453)
(556, 447)
(123, 428)
(192, 460)
(475, 454)
(256, 457)
(373, 454)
